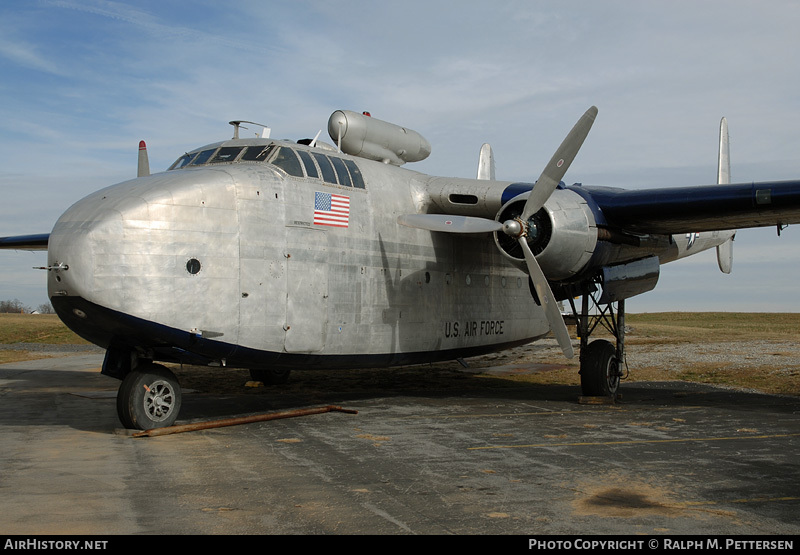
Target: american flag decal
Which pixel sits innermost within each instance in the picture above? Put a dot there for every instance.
(330, 209)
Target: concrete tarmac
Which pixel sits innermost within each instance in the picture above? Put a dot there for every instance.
(672, 458)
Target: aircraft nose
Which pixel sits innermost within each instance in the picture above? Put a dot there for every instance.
(76, 243)
(162, 248)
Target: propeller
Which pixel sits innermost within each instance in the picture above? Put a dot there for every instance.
(450, 224)
(559, 164)
(520, 227)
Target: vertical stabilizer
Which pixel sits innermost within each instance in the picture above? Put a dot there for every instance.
(724, 160)
(144, 163)
(486, 163)
(725, 250)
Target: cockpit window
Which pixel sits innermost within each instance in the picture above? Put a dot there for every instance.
(328, 175)
(226, 154)
(182, 161)
(203, 157)
(355, 173)
(344, 176)
(297, 163)
(286, 159)
(257, 153)
(311, 169)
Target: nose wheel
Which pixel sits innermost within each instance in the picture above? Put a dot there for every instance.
(149, 397)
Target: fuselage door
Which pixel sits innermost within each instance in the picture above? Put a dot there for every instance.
(306, 291)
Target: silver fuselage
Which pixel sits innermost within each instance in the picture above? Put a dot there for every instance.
(229, 255)
(226, 263)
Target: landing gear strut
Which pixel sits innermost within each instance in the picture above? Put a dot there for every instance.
(601, 360)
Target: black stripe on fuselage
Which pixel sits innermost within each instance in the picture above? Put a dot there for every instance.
(110, 328)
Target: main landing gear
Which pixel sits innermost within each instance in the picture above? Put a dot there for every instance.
(601, 360)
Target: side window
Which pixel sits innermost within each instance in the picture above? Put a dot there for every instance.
(355, 174)
(287, 160)
(326, 168)
(308, 162)
(257, 153)
(344, 176)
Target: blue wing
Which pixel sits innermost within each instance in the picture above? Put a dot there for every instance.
(26, 242)
(695, 209)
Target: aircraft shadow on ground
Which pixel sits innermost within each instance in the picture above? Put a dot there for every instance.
(86, 400)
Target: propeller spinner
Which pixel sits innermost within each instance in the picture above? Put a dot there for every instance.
(520, 228)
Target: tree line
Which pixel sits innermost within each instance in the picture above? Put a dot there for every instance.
(18, 307)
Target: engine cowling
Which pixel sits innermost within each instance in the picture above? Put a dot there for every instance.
(562, 235)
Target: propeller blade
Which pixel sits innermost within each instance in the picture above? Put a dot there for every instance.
(548, 300)
(450, 224)
(559, 164)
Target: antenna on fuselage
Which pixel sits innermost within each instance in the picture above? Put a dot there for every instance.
(265, 130)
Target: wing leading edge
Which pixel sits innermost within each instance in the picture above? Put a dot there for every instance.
(25, 242)
(694, 209)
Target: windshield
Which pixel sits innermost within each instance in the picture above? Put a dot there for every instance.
(182, 161)
(297, 163)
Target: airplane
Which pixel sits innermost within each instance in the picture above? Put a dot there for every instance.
(278, 255)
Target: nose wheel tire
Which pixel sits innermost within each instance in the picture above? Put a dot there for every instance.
(600, 372)
(149, 397)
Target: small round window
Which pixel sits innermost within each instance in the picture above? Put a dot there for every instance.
(193, 266)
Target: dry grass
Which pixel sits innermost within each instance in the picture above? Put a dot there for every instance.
(768, 379)
(757, 360)
(705, 327)
(36, 328)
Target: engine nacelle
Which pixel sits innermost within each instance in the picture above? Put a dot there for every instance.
(367, 137)
(563, 234)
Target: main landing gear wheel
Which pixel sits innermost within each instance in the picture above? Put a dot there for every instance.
(602, 361)
(600, 372)
(149, 397)
(270, 377)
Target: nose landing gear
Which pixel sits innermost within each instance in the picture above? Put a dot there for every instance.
(149, 397)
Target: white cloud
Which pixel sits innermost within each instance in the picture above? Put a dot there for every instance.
(26, 55)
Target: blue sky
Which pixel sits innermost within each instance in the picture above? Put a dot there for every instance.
(81, 82)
